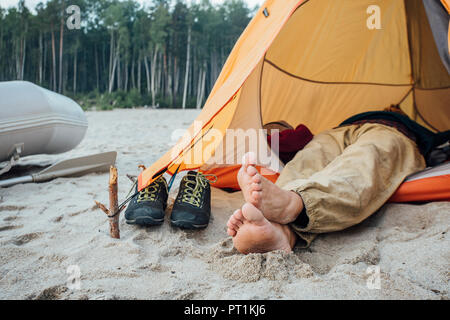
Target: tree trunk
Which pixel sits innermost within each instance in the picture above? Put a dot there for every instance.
(17, 56)
(133, 80)
(199, 80)
(139, 75)
(41, 49)
(111, 80)
(193, 76)
(113, 72)
(165, 79)
(61, 45)
(111, 54)
(147, 74)
(54, 60)
(186, 76)
(176, 78)
(75, 66)
(103, 67)
(20, 57)
(125, 76)
(201, 85)
(45, 62)
(153, 77)
(125, 85)
(97, 68)
(24, 53)
(119, 78)
(169, 82)
(66, 72)
(159, 78)
(214, 69)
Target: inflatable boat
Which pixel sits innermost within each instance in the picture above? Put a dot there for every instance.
(34, 120)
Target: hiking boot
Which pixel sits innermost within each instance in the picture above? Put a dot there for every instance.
(192, 207)
(148, 207)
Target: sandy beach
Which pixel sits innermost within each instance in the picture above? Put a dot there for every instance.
(48, 230)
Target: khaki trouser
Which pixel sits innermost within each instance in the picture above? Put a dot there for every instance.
(346, 174)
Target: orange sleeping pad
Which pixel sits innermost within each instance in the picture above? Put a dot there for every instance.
(432, 184)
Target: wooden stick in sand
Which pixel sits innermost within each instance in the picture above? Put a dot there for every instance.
(113, 212)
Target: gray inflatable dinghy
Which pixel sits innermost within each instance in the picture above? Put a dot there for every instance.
(34, 120)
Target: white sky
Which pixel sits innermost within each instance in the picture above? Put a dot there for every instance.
(31, 4)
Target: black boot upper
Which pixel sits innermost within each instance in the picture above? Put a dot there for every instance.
(192, 207)
(148, 207)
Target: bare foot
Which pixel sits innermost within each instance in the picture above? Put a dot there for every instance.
(276, 204)
(253, 233)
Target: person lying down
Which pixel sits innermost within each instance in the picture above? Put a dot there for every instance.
(339, 179)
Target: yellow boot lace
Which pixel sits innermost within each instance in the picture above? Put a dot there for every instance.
(151, 192)
(194, 188)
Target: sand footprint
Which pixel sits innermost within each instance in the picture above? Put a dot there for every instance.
(12, 208)
(52, 293)
(26, 238)
(7, 228)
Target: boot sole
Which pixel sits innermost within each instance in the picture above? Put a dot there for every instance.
(187, 225)
(145, 221)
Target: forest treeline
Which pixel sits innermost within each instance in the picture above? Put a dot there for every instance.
(167, 53)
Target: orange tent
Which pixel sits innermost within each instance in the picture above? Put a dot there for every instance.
(315, 62)
(446, 4)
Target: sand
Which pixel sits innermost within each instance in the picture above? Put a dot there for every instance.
(50, 231)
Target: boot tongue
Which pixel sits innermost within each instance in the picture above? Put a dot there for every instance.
(191, 175)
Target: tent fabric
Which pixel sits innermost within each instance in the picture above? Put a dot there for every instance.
(440, 26)
(446, 4)
(314, 62)
(224, 97)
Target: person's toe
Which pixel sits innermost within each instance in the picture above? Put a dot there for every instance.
(239, 216)
(257, 178)
(242, 170)
(253, 214)
(256, 198)
(256, 187)
(231, 232)
(252, 171)
(235, 222)
(231, 228)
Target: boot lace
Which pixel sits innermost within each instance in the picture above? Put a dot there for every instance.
(150, 193)
(193, 190)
